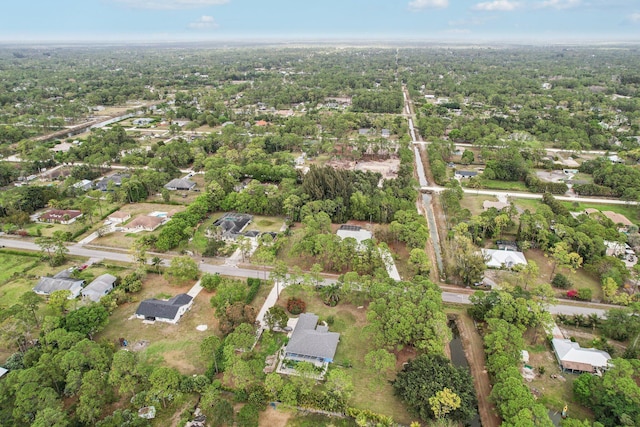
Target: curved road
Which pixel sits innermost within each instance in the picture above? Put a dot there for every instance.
(458, 297)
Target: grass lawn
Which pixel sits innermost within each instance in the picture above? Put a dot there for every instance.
(350, 322)
(580, 279)
(530, 204)
(474, 203)
(493, 184)
(266, 223)
(177, 346)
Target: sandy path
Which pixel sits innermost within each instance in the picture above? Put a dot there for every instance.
(474, 351)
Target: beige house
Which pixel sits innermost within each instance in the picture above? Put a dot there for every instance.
(144, 223)
(119, 217)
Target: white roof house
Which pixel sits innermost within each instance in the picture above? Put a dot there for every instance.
(575, 359)
(355, 232)
(503, 259)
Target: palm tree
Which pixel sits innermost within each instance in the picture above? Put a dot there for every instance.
(331, 294)
(156, 261)
(594, 320)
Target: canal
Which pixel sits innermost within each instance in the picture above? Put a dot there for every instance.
(459, 359)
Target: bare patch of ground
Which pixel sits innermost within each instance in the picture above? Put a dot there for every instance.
(387, 168)
(272, 417)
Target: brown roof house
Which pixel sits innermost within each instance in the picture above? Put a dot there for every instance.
(572, 358)
(60, 216)
(144, 223)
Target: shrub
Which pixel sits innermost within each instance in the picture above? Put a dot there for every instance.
(561, 281)
(584, 294)
(572, 293)
(296, 306)
(210, 282)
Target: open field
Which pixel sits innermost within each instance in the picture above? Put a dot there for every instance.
(350, 321)
(474, 203)
(177, 346)
(580, 279)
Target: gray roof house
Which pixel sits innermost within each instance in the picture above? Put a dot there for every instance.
(116, 178)
(47, 285)
(232, 224)
(169, 311)
(311, 342)
(180, 184)
(101, 286)
(572, 358)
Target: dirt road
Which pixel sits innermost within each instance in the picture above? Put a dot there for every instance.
(474, 351)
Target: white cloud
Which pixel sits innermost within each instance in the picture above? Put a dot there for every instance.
(170, 4)
(204, 23)
(501, 5)
(559, 4)
(474, 21)
(635, 17)
(428, 4)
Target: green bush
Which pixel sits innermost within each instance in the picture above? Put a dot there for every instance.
(561, 281)
(584, 294)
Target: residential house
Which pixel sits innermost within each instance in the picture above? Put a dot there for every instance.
(233, 224)
(3, 371)
(60, 216)
(354, 231)
(84, 185)
(503, 259)
(143, 121)
(180, 184)
(119, 217)
(311, 342)
(465, 174)
(116, 178)
(48, 285)
(618, 219)
(169, 311)
(144, 223)
(100, 287)
(572, 358)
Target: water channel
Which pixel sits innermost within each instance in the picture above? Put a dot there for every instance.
(459, 359)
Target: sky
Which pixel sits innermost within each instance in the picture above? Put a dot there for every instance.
(298, 20)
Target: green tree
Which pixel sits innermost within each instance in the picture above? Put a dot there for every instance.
(87, 320)
(31, 301)
(94, 394)
(183, 269)
(419, 261)
(164, 384)
(276, 316)
(425, 376)
(209, 349)
(381, 364)
(124, 372)
(59, 301)
(248, 416)
(443, 402)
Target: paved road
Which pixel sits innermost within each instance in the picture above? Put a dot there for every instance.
(447, 296)
(523, 195)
